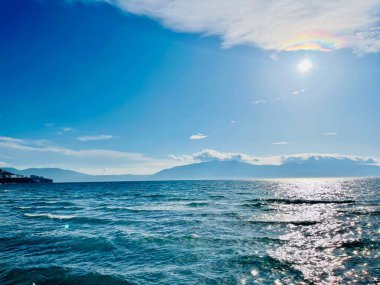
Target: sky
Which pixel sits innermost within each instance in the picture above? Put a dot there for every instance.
(112, 87)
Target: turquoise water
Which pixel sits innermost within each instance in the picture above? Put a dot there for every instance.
(191, 232)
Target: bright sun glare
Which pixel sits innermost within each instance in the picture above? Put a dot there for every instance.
(305, 65)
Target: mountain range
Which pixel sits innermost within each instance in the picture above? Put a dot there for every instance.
(311, 166)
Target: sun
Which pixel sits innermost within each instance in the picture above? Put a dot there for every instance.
(305, 66)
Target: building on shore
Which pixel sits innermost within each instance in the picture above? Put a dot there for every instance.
(7, 177)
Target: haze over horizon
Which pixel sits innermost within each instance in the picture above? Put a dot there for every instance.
(126, 87)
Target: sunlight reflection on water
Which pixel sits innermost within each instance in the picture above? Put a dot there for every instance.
(320, 251)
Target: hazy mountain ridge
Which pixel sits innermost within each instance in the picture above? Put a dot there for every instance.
(64, 175)
(313, 166)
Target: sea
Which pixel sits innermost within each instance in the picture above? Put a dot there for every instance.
(292, 231)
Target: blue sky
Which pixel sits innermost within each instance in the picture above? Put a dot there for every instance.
(120, 88)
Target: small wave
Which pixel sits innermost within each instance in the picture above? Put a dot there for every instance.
(78, 219)
(23, 207)
(60, 203)
(292, 222)
(198, 204)
(116, 209)
(361, 211)
(70, 208)
(53, 203)
(157, 208)
(217, 196)
(154, 196)
(300, 201)
(353, 243)
(268, 263)
(266, 260)
(360, 243)
(252, 205)
(178, 199)
(113, 208)
(231, 214)
(51, 216)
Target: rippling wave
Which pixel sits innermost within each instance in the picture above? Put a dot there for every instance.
(191, 232)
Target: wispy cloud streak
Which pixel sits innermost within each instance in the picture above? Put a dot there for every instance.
(24, 153)
(198, 136)
(95, 138)
(281, 143)
(331, 134)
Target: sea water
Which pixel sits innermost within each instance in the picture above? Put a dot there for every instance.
(319, 231)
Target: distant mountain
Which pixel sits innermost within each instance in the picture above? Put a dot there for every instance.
(63, 175)
(294, 167)
(212, 170)
(313, 166)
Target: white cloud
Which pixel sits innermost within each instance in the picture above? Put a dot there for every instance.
(308, 156)
(281, 143)
(70, 152)
(198, 136)
(64, 130)
(299, 92)
(209, 154)
(183, 159)
(331, 134)
(278, 25)
(232, 122)
(9, 139)
(83, 153)
(95, 138)
(67, 129)
(214, 155)
(258, 102)
(274, 57)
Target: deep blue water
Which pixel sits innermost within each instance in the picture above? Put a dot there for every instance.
(191, 232)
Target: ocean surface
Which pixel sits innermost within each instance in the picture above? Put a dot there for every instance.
(191, 232)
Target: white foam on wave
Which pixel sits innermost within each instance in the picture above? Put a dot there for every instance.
(159, 207)
(116, 208)
(178, 206)
(50, 216)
